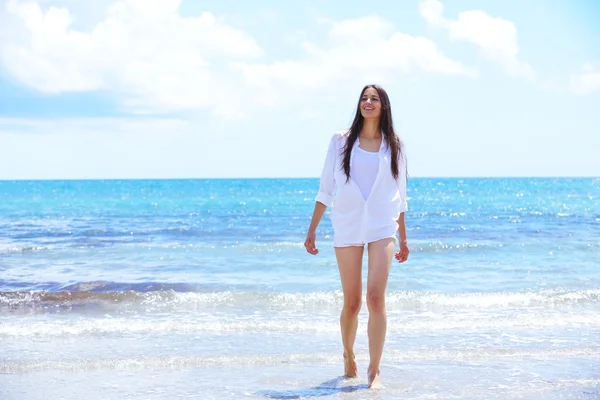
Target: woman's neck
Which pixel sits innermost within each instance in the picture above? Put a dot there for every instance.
(370, 129)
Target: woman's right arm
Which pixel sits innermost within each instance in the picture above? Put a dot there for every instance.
(311, 236)
(324, 197)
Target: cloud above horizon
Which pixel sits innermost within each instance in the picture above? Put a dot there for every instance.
(154, 60)
(496, 38)
(180, 88)
(586, 81)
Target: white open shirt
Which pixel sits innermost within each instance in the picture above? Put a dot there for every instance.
(357, 221)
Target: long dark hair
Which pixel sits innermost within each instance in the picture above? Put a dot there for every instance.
(386, 125)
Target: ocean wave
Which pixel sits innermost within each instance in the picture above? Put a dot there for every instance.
(218, 246)
(391, 356)
(159, 296)
(441, 247)
(132, 242)
(287, 324)
(8, 249)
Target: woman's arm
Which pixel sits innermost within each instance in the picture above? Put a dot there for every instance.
(311, 235)
(317, 215)
(324, 196)
(402, 255)
(401, 228)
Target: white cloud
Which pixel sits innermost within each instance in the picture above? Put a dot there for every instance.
(432, 11)
(366, 48)
(495, 37)
(153, 58)
(156, 61)
(586, 81)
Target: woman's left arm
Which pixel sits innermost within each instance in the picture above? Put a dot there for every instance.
(402, 255)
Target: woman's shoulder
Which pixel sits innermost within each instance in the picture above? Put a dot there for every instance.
(340, 136)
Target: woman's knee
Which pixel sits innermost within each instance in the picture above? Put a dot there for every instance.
(376, 301)
(352, 306)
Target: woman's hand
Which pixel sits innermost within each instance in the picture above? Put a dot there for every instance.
(309, 243)
(402, 255)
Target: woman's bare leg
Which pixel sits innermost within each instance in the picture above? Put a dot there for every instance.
(349, 261)
(380, 261)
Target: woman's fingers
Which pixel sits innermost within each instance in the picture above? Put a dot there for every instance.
(310, 246)
(402, 255)
(405, 252)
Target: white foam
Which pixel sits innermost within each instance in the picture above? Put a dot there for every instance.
(13, 248)
(399, 300)
(290, 322)
(391, 356)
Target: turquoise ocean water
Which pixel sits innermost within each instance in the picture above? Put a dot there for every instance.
(162, 289)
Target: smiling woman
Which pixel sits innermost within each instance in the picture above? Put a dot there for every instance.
(366, 167)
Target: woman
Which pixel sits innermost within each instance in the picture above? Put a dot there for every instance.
(366, 169)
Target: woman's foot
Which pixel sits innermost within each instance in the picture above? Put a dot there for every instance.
(374, 382)
(350, 367)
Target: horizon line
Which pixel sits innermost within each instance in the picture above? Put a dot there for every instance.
(298, 178)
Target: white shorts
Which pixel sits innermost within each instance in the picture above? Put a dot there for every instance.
(342, 243)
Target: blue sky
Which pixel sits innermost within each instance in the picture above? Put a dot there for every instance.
(186, 89)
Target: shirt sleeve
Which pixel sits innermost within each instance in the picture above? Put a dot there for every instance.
(327, 182)
(402, 181)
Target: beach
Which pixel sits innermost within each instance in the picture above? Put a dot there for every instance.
(162, 289)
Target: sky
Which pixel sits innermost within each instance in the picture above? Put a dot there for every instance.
(120, 89)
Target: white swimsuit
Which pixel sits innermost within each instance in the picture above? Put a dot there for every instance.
(364, 170)
(360, 215)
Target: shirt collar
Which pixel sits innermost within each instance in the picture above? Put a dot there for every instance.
(382, 147)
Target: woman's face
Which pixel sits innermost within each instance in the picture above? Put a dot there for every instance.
(370, 104)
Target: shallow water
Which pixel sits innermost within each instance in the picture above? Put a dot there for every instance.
(201, 289)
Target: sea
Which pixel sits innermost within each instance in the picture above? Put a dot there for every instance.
(202, 289)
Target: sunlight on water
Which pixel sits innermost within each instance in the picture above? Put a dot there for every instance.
(155, 289)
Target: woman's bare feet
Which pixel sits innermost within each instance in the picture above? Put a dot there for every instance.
(374, 382)
(350, 367)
